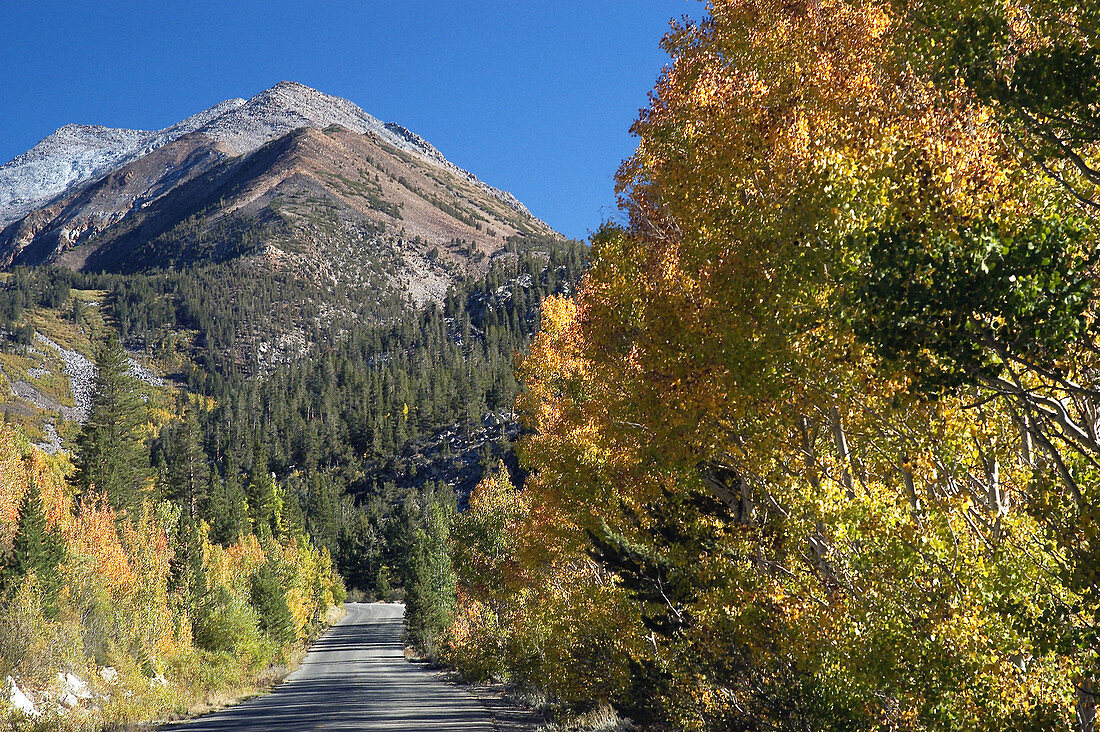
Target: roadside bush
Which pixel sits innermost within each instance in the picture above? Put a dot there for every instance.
(476, 642)
(171, 648)
(269, 601)
(226, 623)
(31, 645)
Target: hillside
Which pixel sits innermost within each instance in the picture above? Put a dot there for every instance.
(292, 216)
(313, 318)
(346, 303)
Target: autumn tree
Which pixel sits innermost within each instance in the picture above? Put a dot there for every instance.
(786, 414)
(1036, 65)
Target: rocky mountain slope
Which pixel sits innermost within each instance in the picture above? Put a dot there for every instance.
(76, 154)
(290, 177)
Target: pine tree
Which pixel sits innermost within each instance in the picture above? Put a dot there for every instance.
(38, 549)
(322, 512)
(185, 570)
(216, 513)
(262, 501)
(291, 520)
(188, 468)
(227, 509)
(111, 455)
(269, 599)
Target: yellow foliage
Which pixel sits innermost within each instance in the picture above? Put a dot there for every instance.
(704, 408)
(20, 463)
(115, 597)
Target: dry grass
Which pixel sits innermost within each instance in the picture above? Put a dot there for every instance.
(262, 683)
(601, 719)
(56, 324)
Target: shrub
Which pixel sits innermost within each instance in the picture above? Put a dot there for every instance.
(269, 601)
(226, 623)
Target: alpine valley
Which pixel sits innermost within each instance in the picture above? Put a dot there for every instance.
(302, 291)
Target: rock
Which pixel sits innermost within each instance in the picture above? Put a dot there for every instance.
(74, 686)
(81, 373)
(20, 702)
(76, 154)
(108, 674)
(68, 701)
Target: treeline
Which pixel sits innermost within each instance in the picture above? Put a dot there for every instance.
(24, 290)
(814, 447)
(343, 426)
(262, 475)
(118, 603)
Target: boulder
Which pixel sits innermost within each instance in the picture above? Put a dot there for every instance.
(20, 702)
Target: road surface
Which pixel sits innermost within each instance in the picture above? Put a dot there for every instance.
(355, 677)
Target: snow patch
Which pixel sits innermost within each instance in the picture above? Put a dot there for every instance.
(76, 154)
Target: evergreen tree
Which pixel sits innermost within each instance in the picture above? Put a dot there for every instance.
(291, 520)
(430, 585)
(188, 468)
(185, 571)
(216, 512)
(38, 549)
(322, 512)
(111, 455)
(227, 509)
(262, 501)
(269, 600)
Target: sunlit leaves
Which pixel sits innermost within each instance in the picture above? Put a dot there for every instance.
(816, 228)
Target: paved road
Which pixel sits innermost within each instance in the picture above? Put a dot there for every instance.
(355, 678)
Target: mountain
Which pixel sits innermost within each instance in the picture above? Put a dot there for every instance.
(306, 294)
(76, 154)
(289, 178)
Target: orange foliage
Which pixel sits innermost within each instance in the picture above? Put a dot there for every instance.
(708, 359)
(94, 534)
(19, 464)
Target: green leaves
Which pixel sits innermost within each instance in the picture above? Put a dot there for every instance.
(960, 306)
(1036, 65)
(430, 581)
(269, 599)
(38, 549)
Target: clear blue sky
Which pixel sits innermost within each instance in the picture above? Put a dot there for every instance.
(533, 97)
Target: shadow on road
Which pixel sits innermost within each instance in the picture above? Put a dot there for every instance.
(355, 677)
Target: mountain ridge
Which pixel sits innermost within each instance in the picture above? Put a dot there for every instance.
(76, 155)
(290, 175)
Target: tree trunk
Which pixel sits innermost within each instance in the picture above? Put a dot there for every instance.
(841, 441)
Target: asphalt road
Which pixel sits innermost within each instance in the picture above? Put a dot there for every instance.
(355, 677)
